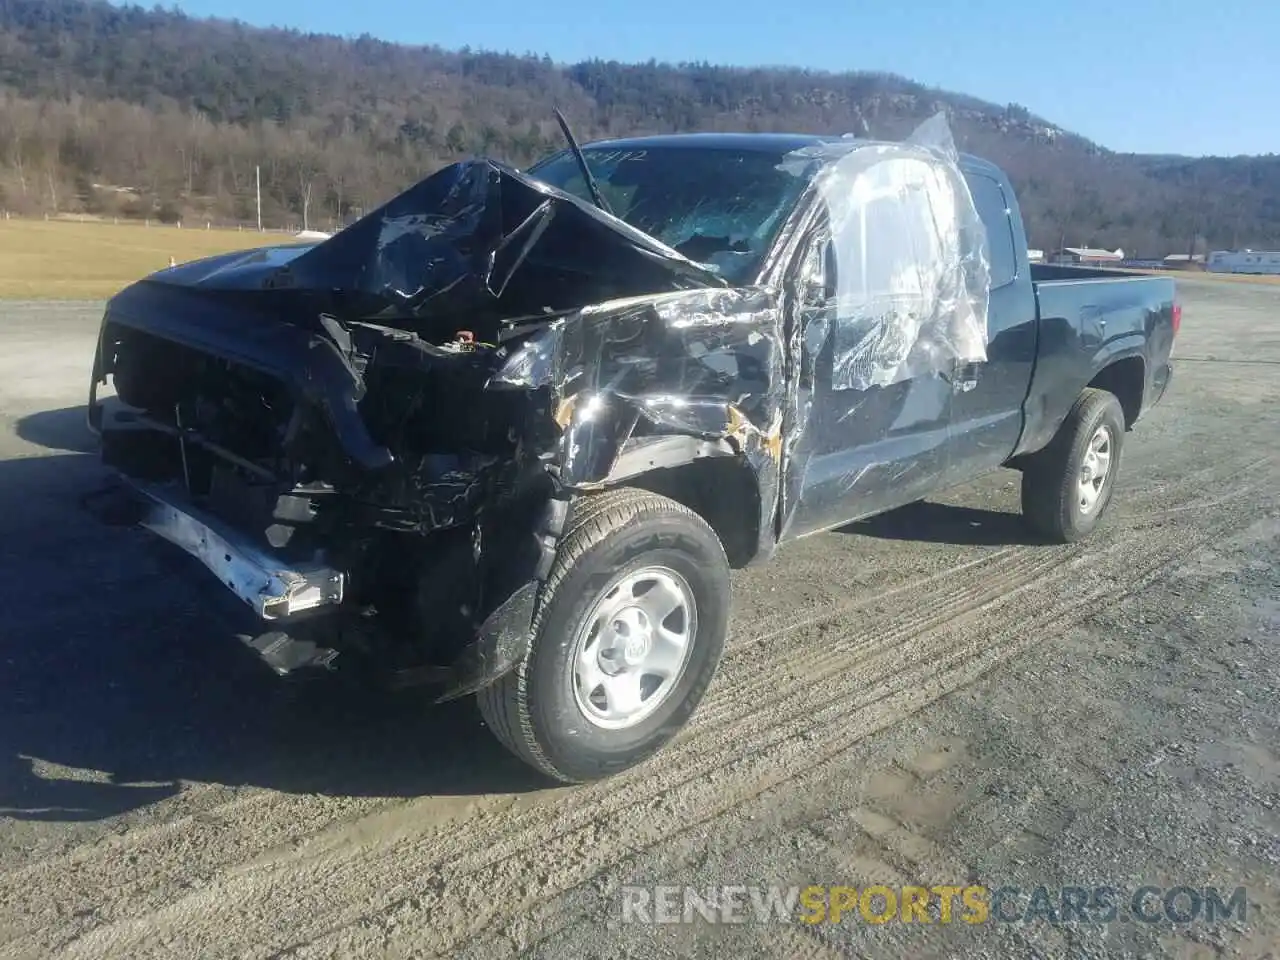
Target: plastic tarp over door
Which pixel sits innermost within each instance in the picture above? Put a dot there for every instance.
(894, 297)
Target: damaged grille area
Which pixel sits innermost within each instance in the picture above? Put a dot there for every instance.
(457, 444)
(254, 451)
(232, 436)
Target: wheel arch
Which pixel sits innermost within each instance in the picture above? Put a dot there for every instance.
(1126, 378)
(529, 709)
(707, 476)
(1122, 373)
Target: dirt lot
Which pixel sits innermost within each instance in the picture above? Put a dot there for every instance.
(922, 698)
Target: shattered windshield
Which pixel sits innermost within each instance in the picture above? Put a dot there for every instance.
(719, 207)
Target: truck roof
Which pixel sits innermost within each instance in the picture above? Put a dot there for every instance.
(764, 142)
(779, 143)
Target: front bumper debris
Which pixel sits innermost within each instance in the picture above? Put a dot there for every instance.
(274, 589)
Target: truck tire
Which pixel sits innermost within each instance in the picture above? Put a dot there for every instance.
(1067, 486)
(627, 637)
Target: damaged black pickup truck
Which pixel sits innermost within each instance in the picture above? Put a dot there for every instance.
(509, 433)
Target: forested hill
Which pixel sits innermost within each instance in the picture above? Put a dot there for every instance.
(129, 111)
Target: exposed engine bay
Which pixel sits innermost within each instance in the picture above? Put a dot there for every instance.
(248, 450)
(242, 442)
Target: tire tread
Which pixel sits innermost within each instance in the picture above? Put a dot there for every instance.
(504, 704)
(1046, 483)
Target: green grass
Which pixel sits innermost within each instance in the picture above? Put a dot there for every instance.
(66, 260)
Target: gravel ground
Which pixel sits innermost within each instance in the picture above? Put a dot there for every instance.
(925, 698)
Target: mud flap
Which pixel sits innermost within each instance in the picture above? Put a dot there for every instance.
(501, 642)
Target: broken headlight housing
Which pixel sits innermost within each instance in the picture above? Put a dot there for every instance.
(530, 364)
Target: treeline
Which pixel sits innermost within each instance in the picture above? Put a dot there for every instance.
(111, 158)
(125, 111)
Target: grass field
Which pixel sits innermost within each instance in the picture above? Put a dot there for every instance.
(57, 260)
(65, 260)
(1205, 275)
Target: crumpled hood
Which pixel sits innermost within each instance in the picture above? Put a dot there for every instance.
(475, 238)
(239, 270)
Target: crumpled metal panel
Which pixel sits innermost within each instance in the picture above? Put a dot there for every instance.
(902, 271)
(479, 237)
(707, 363)
(257, 577)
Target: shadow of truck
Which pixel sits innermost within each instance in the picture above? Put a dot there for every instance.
(114, 667)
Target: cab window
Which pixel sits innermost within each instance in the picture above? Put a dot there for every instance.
(993, 209)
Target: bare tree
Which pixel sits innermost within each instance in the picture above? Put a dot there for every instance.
(306, 184)
(307, 168)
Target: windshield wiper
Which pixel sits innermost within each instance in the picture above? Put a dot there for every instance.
(596, 196)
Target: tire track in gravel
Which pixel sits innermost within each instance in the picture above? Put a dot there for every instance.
(454, 882)
(127, 863)
(1184, 496)
(296, 817)
(1016, 628)
(981, 581)
(951, 656)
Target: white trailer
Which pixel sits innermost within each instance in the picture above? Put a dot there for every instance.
(1244, 261)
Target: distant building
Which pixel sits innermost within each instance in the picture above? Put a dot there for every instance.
(1181, 261)
(1244, 261)
(1088, 255)
(1035, 256)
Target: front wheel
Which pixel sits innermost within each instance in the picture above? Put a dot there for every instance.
(1067, 486)
(627, 638)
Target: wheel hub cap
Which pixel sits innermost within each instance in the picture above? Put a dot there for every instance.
(1094, 469)
(630, 642)
(633, 647)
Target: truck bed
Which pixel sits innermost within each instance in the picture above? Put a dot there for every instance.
(1097, 320)
(1045, 272)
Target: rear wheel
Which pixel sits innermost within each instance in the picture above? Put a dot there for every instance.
(627, 638)
(1067, 486)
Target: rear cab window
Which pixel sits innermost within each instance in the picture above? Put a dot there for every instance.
(993, 209)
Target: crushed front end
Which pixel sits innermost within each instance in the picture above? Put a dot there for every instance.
(364, 439)
(328, 489)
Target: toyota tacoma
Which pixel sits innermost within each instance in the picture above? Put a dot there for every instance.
(508, 434)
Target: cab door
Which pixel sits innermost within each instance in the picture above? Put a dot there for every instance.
(866, 431)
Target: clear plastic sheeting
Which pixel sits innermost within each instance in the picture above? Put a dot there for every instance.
(905, 278)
